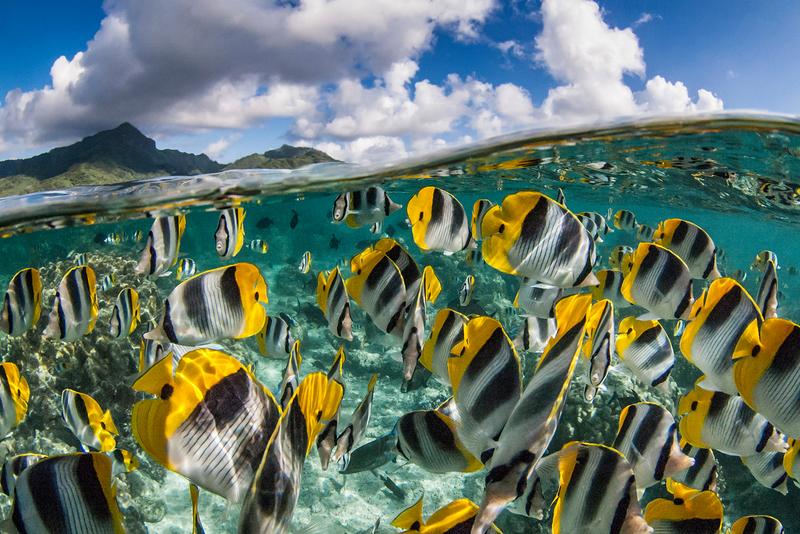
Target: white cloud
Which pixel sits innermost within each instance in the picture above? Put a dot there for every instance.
(644, 18)
(511, 47)
(216, 149)
(662, 96)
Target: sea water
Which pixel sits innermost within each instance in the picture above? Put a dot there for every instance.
(734, 176)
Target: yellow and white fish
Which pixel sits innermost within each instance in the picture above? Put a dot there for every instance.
(453, 518)
(364, 207)
(126, 314)
(535, 333)
(532, 235)
(479, 210)
(610, 287)
(658, 281)
(83, 416)
(768, 470)
(415, 323)
(599, 347)
(305, 263)
(767, 297)
(210, 394)
(75, 306)
(13, 467)
(81, 259)
(467, 288)
(114, 238)
(275, 340)
(229, 236)
(689, 510)
(122, 461)
(645, 349)
(334, 302)
(599, 221)
(703, 474)
(625, 220)
(351, 435)
(22, 304)
(692, 244)
(763, 259)
(537, 300)
(108, 282)
(186, 269)
(258, 245)
(14, 396)
(617, 257)
(227, 302)
(429, 440)
(378, 287)
(446, 332)
(438, 221)
(410, 271)
(645, 233)
(162, 246)
(291, 374)
(80, 496)
(591, 227)
(757, 524)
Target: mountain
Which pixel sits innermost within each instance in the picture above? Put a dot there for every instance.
(285, 157)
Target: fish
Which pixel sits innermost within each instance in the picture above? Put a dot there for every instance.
(275, 340)
(334, 302)
(535, 334)
(438, 221)
(210, 394)
(716, 420)
(617, 257)
(767, 376)
(561, 198)
(739, 275)
(392, 486)
(479, 209)
(767, 468)
(625, 220)
(689, 510)
(229, 236)
(264, 223)
(692, 244)
(294, 220)
(68, 493)
(454, 517)
(429, 440)
(137, 236)
(534, 418)
(757, 524)
(376, 227)
(305, 263)
(333, 243)
(416, 319)
(473, 257)
(725, 323)
(364, 207)
(647, 437)
(658, 281)
(372, 455)
(537, 300)
(22, 304)
(163, 245)
(644, 232)
(258, 245)
(599, 221)
(763, 259)
(597, 492)
(351, 435)
(531, 235)
(378, 287)
(485, 374)
(75, 307)
(645, 349)
(84, 417)
(197, 525)
(14, 466)
(609, 287)
(114, 238)
(291, 375)
(703, 474)
(446, 332)
(108, 282)
(600, 344)
(14, 396)
(326, 439)
(186, 269)
(467, 288)
(81, 259)
(150, 352)
(270, 500)
(122, 461)
(767, 299)
(226, 302)
(126, 315)
(591, 227)
(412, 274)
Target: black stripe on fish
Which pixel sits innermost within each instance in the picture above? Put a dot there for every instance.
(195, 304)
(622, 507)
(356, 200)
(680, 232)
(91, 489)
(765, 435)
(372, 196)
(786, 356)
(437, 207)
(533, 225)
(502, 390)
(62, 317)
(43, 486)
(74, 292)
(167, 326)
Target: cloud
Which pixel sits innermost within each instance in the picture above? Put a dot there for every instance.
(511, 48)
(661, 96)
(216, 149)
(644, 18)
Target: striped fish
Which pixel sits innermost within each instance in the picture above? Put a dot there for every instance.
(763, 259)
(438, 221)
(767, 377)
(351, 436)
(597, 492)
(84, 417)
(326, 439)
(534, 418)
(532, 235)
(603, 229)
(625, 220)
(378, 287)
(126, 315)
(162, 246)
(428, 439)
(645, 349)
(269, 504)
(453, 518)
(467, 288)
(211, 395)
(479, 210)
(416, 319)
(535, 334)
(275, 339)
(291, 375)
(599, 347)
(716, 420)
(446, 332)
(767, 299)
(229, 236)
(609, 287)
(227, 302)
(150, 352)
(647, 437)
(363, 208)
(13, 467)
(591, 227)
(725, 324)
(81, 259)
(703, 474)
(74, 306)
(645, 232)
(122, 461)
(22, 304)
(689, 510)
(197, 525)
(69, 494)
(334, 302)
(692, 244)
(108, 282)
(486, 379)
(536, 300)
(767, 468)
(412, 275)
(757, 524)
(658, 281)
(617, 257)
(258, 245)
(186, 269)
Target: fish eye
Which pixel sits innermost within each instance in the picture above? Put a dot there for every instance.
(629, 330)
(102, 425)
(501, 229)
(756, 350)
(678, 501)
(421, 215)
(358, 272)
(256, 295)
(694, 405)
(463, 349)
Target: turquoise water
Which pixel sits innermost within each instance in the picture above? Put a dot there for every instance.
(732, 177)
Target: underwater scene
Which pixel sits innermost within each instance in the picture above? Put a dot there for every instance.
(585, 331)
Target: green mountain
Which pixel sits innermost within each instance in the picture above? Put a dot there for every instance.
(285, 157)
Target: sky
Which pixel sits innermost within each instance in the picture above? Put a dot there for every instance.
(376, 80)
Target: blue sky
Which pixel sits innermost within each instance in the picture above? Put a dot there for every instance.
(200, 79)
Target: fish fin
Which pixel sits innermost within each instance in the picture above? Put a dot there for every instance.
(318, 398)
(410, 517)
(591, 280)
(154, 379)
(108, 421)
(156, 334)
(165, 274)
(432, 284)
(748, 341)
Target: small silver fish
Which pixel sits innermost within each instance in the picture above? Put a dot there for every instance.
(467, 288)
(305, 262)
